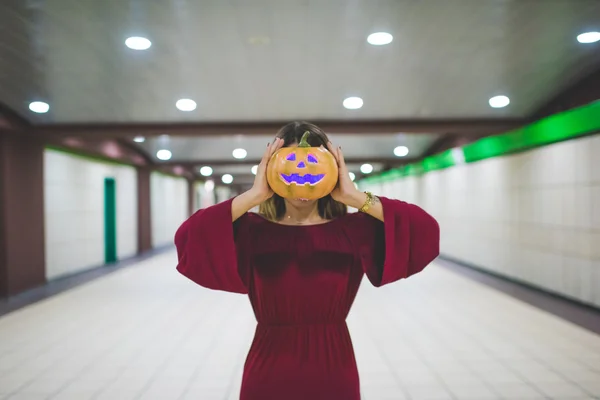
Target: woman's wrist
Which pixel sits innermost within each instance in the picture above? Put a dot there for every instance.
(253, 198)
(243, 203)
(355, 199)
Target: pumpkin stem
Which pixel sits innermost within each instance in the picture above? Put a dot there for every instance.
(304, 140)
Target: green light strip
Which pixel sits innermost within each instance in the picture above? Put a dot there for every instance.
(556, 128)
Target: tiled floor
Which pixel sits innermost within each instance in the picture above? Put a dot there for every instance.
(145, 332)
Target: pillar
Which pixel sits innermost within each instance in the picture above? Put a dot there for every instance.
(191, 197)
(144, 212)
(22, 236)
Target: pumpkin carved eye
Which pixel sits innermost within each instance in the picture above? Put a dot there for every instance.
(312, 159)
(291, 157)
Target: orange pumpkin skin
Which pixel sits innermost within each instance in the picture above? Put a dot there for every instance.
(302, 172)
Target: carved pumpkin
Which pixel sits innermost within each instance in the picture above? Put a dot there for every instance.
(302, 172)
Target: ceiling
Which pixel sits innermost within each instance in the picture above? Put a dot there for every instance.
(447, 58)
(280, 60)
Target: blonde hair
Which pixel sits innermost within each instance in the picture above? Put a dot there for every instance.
(274, 208)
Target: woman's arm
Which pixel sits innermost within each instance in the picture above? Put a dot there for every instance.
(399, 241)
(212, 245)
(402, 245)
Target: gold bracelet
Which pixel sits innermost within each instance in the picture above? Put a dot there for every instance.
(370, 201)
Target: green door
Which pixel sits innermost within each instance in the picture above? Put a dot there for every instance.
(110, 221)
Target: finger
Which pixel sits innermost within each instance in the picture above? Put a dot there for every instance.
(262, 166)
(266, 154)
(330, 147)
(341, 159)
(342, 164)
(275, 146)
(272, 148)
(280, 144)
(333, 152)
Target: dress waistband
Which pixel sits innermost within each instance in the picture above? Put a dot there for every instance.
(300, 324)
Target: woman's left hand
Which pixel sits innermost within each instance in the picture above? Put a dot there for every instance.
(345, 192)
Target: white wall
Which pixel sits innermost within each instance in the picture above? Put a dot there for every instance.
(74, 212)
(533, 216)
(169, 207)
(223, 193)
(204, 196)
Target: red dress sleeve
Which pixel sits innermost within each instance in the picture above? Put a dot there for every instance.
(401, 246)
(211, 250)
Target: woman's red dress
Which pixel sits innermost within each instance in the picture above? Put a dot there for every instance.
(301, 281)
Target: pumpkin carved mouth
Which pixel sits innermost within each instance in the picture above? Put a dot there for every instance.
(306, 179)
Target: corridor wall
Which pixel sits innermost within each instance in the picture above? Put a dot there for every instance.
(203, 197)
(169, 207)
(533, 216)
(223, 193)
(74, 209)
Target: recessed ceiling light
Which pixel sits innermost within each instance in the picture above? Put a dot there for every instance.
(499, 101)
(589, 37)
(380, 38)
(39, 107)
(353, 103)
(163, 155)
(352, 176)
(227, 179)
(139, 139)
(206, 171)
(138, 43)
(254, 169)
(186, 105)
(259, 40)
(366, 168)
(239, 154)
(401, 151)
(209, 185)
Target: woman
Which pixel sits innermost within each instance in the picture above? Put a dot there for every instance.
(301, 263)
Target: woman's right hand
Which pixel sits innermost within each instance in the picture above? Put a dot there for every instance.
(261, 189)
